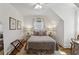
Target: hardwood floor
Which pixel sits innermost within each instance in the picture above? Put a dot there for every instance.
(65, 50)
(22, 51)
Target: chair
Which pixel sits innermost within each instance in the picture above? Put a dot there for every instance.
(77, 37)
(72, 46)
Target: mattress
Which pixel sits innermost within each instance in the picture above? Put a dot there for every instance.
(41, 42)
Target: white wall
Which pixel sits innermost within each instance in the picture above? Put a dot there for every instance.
(49, 16)
(60, 33)
(6, 11)
(67, 13)
(77, 22)
(1, 28)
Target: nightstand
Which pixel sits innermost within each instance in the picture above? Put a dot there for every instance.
(50, 34)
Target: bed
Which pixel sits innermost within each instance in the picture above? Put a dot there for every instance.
(41, 43)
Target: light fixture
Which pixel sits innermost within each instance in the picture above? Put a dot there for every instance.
(38, 6)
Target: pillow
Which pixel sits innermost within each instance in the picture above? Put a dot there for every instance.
(40, 33)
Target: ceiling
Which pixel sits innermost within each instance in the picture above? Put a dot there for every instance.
(28, 8)
(77, 4)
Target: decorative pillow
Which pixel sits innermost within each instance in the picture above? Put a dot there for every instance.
(40, 33)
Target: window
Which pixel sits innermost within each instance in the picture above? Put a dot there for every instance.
(39, 24)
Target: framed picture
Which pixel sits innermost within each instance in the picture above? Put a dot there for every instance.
(12, 23)
(18, 24)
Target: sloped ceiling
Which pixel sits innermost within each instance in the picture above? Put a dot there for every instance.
(77, 4)
(28, 8)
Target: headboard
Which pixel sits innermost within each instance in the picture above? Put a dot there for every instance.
(39, 33)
